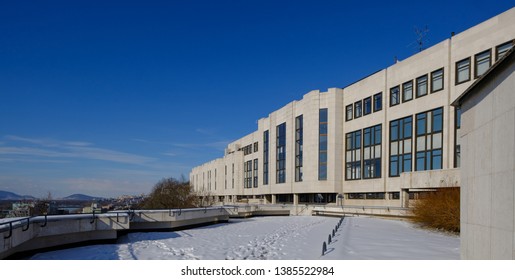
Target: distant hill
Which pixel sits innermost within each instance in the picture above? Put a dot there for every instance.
(82, 197)
(12, 196)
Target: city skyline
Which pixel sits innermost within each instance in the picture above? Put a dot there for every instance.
(106, 99)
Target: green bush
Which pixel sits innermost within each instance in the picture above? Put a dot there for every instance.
(439, 210)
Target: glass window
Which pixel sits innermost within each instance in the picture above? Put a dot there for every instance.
(482, 63)
(367, 106)
(372, 152)
(437, 80)
(378, 102)
(322, 144)
(299, 131)
(407, 91)
(457, 141)
(400, 146)
(353, 155)
(348, 112)
(394, 96)
(357, 109)
(429, 140)
(281, 154)
(463, 71)
(255, 173)
(501, 50)
(421, 86)
(265, 157)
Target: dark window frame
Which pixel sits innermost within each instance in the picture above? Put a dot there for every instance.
(402, 156)
(299, 139)
(374, 159)
(349, 117)
(433, 78)
(398, 96)
(489, 52)
(429, 152)
(280, 176)
(368, 101)
(511, 42)
(417, 83)
(266, 154)
(457, 82)
(378, 96)
(360, 103)
(323, 125)
(404, 99)
(355, 148)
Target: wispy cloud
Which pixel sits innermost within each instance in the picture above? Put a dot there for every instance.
(219, 145)
(69, 149)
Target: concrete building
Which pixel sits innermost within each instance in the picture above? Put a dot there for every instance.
(488, 140)
(379, 142)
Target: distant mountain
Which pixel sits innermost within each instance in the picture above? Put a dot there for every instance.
(12, 196)
(79, 196)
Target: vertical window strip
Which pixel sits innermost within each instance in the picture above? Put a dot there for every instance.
(429, 140)
(372, 152)
(281, 154)
(255, 173)
(322, 144)
(353, 155)
(265, 156)
(299, 124)
(401, 146)
(457, 141)
(482, 63)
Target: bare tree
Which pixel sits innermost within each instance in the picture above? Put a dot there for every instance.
(170, 193)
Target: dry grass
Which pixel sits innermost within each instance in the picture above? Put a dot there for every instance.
(439, 210)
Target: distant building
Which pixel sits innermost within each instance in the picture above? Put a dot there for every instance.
(380, 141)
(488, 170)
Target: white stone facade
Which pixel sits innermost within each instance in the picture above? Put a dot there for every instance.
(433, 74)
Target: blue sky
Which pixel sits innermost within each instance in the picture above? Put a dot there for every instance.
(108, 97)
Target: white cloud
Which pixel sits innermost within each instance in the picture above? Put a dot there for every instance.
(72, 149)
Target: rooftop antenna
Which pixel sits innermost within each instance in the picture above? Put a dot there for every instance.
(421, 38)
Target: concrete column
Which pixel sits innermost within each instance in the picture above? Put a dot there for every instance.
(274, 199)
(233, 199)
(295, 199)
(404, 198)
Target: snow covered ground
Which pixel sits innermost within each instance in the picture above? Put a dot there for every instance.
(277, 238)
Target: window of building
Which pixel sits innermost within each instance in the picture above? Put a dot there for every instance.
(355, 196)
(255, 173)
(400, 146)
(299, 133)
(394, 195)
(429, 132)
(265, 157)
(421, 86)
(502, 49)
(378, 102)
(457, 141)
(247, 174)
(482, 63)
(463, 71)
(394, 96)
(353, 155)
(281, 153)
(247, 150)
(367, 106)
(407, 91)
(372, 152)
(215, 179)
(233, 175)
(378, 195)
(357, 109)
(437, 80)
(322, 144)
(225, 179)
(255, 147)
(348, 112)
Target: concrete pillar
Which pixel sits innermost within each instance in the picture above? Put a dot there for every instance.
(404, 198)
(274, 199)
(233, 199)
(295, 199)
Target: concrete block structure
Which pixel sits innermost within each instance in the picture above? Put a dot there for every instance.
(488, 182)
(379, 142)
